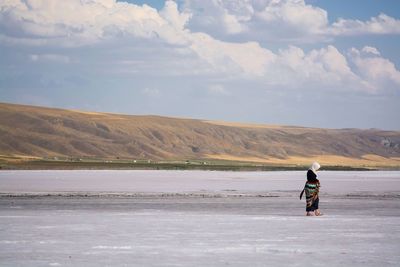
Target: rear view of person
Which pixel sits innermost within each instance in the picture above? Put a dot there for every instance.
(311, 188)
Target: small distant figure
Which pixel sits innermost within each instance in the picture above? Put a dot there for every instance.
(311, 188)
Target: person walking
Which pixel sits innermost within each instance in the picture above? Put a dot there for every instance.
(311, 188)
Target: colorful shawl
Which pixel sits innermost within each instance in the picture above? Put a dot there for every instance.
(311, 189)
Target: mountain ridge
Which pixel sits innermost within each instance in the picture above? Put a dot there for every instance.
(50, 132)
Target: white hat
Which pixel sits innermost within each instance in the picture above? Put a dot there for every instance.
(315, 166)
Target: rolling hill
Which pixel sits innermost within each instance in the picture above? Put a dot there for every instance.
(48, 132)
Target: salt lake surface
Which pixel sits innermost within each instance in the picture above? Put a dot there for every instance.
(149, 181)
(208, 219)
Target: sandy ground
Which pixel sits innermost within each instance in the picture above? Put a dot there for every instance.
(226, 228)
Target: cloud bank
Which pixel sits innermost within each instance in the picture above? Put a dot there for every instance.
(279, 20)
(80, 23)
(222, 48)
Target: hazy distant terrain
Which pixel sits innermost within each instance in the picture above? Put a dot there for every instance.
(48, 132)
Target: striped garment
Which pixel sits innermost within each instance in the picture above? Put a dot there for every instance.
(311, 189)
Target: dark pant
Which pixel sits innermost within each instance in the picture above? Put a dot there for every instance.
(314, 205)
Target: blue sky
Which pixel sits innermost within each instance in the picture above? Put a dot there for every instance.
(315, 63)
(357, 9)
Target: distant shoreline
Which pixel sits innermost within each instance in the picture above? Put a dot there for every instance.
(183, 165)
(119, 163)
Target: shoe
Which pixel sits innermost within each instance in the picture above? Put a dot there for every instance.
(318, 213)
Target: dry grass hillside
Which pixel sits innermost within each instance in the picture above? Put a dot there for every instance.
(48, 132)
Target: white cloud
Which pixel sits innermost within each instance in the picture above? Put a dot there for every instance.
(173, 31)
(295, 14)
(219, 16)
(50, 58)
(332, 61)
(278, 20)
(171, 14)
(170, 48)
(232, 24)
(371, 50)
(262, 20)
(377, 72)
(324, 68)
(246, 58)
(382, 24)
(75, 23)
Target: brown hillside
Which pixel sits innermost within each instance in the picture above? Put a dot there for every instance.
(45, 132)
